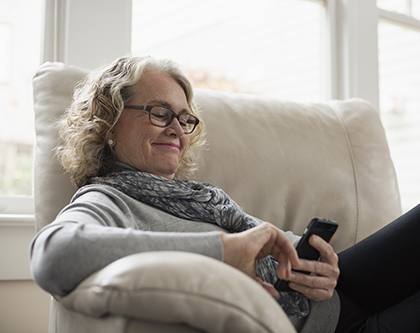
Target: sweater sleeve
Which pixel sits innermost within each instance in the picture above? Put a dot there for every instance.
(95, 230)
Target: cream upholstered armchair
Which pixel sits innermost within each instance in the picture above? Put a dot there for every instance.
(284, 162)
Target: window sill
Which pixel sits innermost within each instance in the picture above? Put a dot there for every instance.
(17, 220)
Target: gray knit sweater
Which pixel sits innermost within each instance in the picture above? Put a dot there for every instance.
(101, 225)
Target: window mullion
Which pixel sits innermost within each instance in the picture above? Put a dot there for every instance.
(408, 7)
(356, 48)
(331, 62)
(77, 32)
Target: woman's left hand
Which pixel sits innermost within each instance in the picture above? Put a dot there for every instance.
(320, 284)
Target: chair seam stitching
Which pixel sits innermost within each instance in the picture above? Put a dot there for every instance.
(353, 163)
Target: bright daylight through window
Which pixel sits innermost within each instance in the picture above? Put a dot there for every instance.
(399, 71)
(20, 42)
(234, 49)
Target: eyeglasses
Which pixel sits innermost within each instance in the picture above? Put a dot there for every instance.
(162, 117)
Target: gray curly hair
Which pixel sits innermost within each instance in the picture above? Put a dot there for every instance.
(98, 102)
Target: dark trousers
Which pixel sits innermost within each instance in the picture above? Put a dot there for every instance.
(379, 284)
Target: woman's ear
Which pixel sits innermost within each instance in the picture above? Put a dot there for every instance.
(111, 139)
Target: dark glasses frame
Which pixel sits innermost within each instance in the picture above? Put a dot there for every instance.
(148, 109)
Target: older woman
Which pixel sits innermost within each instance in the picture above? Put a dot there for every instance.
(129, 138)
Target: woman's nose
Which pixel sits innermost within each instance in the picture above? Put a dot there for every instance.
(175, 128)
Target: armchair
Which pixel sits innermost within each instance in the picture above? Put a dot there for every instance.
(282, 161)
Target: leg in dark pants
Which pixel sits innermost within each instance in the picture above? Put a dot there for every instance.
(379, 283)
(402, 317)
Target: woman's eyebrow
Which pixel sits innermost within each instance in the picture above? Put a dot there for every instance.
(160, 103)
(167, 105)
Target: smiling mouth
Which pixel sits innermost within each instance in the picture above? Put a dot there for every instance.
(168, 145)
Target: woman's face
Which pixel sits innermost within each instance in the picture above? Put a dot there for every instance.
(142, 145)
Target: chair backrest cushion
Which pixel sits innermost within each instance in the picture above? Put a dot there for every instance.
(282, 161)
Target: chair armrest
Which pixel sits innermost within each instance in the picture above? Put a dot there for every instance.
(179, 287)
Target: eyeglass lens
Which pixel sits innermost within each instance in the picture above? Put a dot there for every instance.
(162, 117)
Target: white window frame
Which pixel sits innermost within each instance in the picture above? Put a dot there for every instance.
(66, 39)
(353, 30)
(71, 38)
(400, 19)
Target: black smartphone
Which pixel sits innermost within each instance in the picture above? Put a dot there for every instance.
(321, 227)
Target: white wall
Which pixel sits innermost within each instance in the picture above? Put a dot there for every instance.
(24, 307)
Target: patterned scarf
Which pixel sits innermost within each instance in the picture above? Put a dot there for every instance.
(201, 202)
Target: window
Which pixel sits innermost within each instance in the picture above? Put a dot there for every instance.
(237, 45)
(20, 42)
(399, 82)
(266, 47)
(277, 48)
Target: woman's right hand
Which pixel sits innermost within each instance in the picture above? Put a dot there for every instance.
(243, 249)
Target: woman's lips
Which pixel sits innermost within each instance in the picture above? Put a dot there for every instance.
(168, 145)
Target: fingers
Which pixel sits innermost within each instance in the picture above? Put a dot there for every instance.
(242, 249)
(284, 268)
(326, 251)
(316, 294)
(321, 283)
(317, 287)
(280, 248)
(272, 241)
(268, 287)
